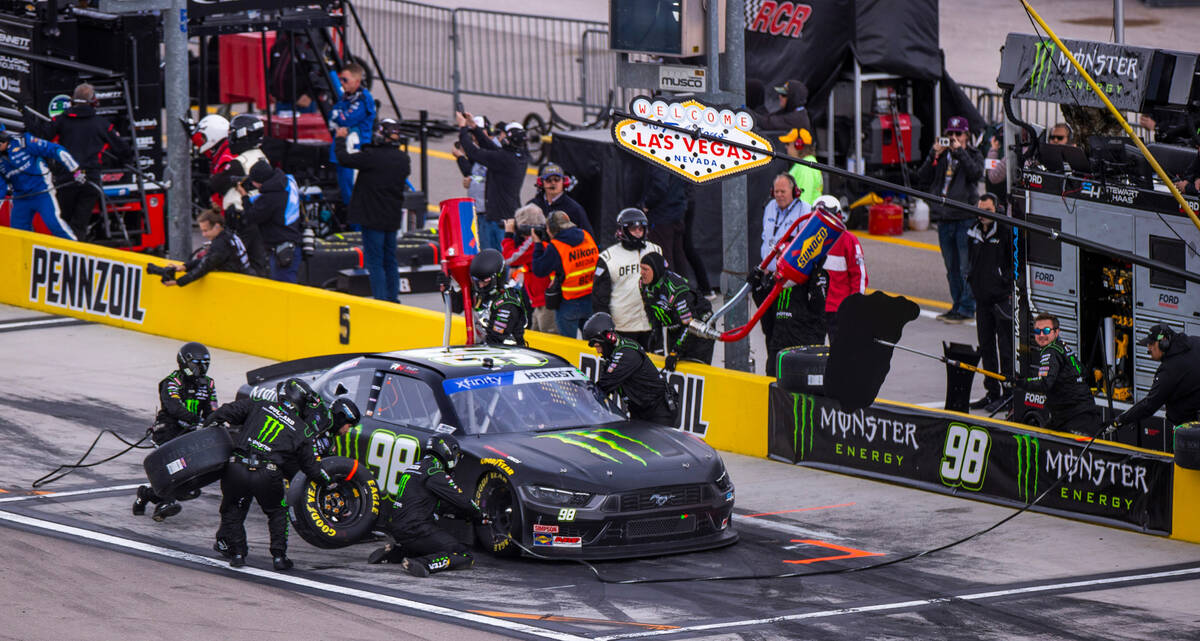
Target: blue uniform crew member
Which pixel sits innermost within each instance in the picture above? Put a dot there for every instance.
(23, 166)
(356, 112)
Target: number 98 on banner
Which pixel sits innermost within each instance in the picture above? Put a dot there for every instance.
(965, 457)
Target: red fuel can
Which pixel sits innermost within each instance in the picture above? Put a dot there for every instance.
(885, 219)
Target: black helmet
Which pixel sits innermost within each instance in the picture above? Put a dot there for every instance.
(193, 360)
(599, 329)
(629, 217)
(488, 263)
(385, 130)
(245, 133)
(445, 448)
(293, 394)
(345, 411)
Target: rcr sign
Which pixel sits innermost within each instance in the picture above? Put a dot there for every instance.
(682, 79)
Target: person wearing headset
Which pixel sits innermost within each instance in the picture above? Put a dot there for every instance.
(780, 212)
(808, 179)
(88, 138)
(552, 184)
(1177, 381)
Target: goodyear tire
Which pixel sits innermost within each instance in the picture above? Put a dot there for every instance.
(496, 498)
(802, 369)
(188, 462)
(1187, 446)
(334, 518)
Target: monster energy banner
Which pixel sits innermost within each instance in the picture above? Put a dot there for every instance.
(976, 458)
(1037, 68)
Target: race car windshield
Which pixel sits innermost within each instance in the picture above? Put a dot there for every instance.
(526, 401)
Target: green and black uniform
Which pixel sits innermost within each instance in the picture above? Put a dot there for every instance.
(183, 403)
(630, 374)
(1068, 398)
(269, 448)
(672, 303)
(796, 318)
(500, 316)
(411, 524)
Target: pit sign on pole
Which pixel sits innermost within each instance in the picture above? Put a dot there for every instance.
(698, 159)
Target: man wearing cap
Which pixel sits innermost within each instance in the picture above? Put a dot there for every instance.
(552, 196)
(355, 111)
(808, 179)
(953, 172)
(1177, 381)
(1060, 379)
(276, 213)
(571, 256)
(505, 174)
(793, 112)
(517, 247)
(23, 168)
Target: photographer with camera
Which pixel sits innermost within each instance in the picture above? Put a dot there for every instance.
(383, 170)
(505, 173)
(224, 253)
(953, 169)
(571, 256)
(276, 214)
(518, 245)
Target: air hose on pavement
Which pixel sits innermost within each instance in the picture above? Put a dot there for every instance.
(79, 464)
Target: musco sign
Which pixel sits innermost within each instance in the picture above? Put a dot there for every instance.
(989, 460)
(85, 283)
(698, 159)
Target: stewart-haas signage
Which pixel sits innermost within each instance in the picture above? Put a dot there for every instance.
(700, 160)
(976, 458)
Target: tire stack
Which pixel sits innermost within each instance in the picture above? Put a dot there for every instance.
(1187, 446)
(802, 369)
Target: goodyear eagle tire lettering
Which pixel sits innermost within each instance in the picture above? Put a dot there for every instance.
(334, 518)
(496, 498)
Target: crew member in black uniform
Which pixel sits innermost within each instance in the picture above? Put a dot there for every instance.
(627, 371)
(89, 138)
(501, 312)
(1060, 379)
(420, 544)
(797, 316)
(269, 447)
(186, 397)
(672, 303)
(1177, 381)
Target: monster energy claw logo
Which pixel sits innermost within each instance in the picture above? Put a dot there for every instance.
(270, 429)
(1043, 59)
(611, 440)
(192, 405)
(803, 426)
(1027, 466)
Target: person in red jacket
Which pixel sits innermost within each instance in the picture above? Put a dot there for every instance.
(845, 265)
(517, 247)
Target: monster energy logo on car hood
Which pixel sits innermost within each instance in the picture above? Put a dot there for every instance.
(611, 445)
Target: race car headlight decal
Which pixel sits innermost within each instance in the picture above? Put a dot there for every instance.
(723, 482)
(555, 496)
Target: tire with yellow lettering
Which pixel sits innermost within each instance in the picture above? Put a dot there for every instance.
(498, 500)
(188, 462)
(339, 515)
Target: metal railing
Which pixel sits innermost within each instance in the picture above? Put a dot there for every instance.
(490, 53)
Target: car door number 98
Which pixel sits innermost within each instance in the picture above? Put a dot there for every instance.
(391, 454)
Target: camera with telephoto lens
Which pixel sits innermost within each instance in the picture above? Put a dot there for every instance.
(165, 273)
(527, 230)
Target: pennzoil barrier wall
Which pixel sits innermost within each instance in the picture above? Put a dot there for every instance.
(281, 321)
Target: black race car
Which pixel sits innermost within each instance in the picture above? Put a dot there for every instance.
(553, 467)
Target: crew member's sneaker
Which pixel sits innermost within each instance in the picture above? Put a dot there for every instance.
(983, 402)
(166, 509)
(222, 548)
(380, 555)
(416, 568)
(953, 317)
(283, 563)
(237, 561)
(139, 503)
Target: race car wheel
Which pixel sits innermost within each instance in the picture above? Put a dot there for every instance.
(1187, 446)
(496, 498)
(337, 516)
(188, 462)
